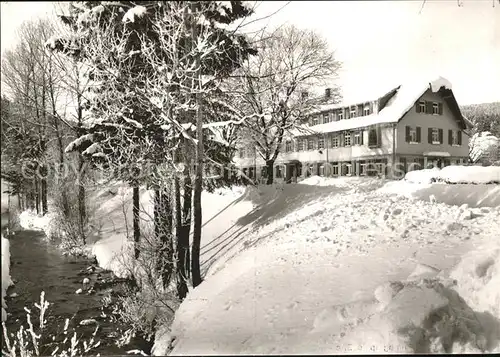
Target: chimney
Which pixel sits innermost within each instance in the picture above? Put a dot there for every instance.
(304, 95)
(328, 93)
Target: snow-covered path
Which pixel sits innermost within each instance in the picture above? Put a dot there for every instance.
(276, 291)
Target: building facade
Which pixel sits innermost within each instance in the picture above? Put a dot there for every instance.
(411, 127)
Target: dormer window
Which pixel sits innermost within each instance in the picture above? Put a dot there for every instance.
(341, 114)
(353, 112)
(288, 146)
(326, 118)
(366, 110)
(315, 120)
(435, 108)
(421, 106)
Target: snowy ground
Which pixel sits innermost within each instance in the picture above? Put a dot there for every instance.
(306, 270)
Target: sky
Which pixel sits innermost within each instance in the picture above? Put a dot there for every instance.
(380, 43)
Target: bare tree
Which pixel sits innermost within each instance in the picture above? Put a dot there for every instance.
(290, 61)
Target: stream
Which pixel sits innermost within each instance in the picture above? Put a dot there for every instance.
(36, 266)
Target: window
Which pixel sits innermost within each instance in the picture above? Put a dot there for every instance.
(358, 138)
(347, 138)
(288, 146)
(434, 136)
(326, 118)
(373, 138)
(242, 152)
(455, 137)
(348, 169)
(353, 112)
(421, 107)
(333, 116)
(300, 145)
(341, 115)
(335, 141)
(435, 108)
(413, 135)
(321, 142)
(321, 170)
(335, 169)
(366, 110)
(310, 144)
(315, 120)
(279, 172)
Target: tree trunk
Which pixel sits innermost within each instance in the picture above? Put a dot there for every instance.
(82, 214)
(198, 181)
(60, 173)
(135, 213)
(37, 196)
(163, 232)
(184, 224)
(45, 206)
(270, 171)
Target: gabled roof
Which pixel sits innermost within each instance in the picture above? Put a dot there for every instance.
(398, 105)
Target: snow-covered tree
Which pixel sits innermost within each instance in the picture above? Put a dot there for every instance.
(157, 65)
(484, 147)
(290, 61)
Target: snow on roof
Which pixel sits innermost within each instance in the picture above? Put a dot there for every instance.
(398, 105)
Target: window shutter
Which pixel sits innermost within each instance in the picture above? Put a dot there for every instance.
(341, 138)
(417, 107)
(440, 136)
(440, 108)
(361, 133)
(407, 134)
(419, 135)
(429, 135)
(450, 137)
(459, 137)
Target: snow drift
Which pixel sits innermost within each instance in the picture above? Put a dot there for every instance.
(316, 268)
(456, 174)
(6, 280)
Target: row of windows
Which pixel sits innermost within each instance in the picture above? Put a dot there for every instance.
(434, 136)
(347, 138)
(340, 114)
(428, 107)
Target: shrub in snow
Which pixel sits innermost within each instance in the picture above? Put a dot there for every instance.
(27, 340)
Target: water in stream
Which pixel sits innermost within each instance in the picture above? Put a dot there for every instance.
(36, 266)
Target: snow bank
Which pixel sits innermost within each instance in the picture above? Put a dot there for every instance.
(29, 219)
(6, 280)
(470, 194)
(336, 250)
(456, 174)
(470, 174)
(478, 276)
(422, 176)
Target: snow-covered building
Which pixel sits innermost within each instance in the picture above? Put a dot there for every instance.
(413, 126)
